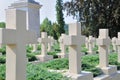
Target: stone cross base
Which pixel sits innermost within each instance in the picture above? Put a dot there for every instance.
(91, 52)
(44, 58)
(102, 77)
(109, 70)
(61, 55)
(109, 73)
(83, 76)
(115, 76)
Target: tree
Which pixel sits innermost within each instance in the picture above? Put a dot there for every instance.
(2, 25)
(60, 18)
(56, 33)
(96, 14)
(46, 26)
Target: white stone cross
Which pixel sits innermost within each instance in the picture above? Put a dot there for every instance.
(50, 44)
(114, 44)
(15, 37)
(103, 42)
(44, 40)
(52, 41)
(86, 42)
(74, 41)
(91, 41)
(94, 41)
(118, 46)
(63, 47)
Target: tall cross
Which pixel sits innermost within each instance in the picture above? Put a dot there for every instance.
(74, 41)
(103, 42)
(15, 37)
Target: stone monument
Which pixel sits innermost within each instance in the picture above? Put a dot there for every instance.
(44, 40)
(114, 39)
(103, 42)
(74, 41)
(15, 37)
(63, 47)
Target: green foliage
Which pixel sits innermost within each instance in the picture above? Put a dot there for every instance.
(91, 59)
(31, 57)
(39, 47)
(3, 50)
(2, 59)
(2, 72)
(46, 26)
(95, 48)
(89, 63)
(2, 25)
(29, 48)
(60, 16)
(96, 14)
(113, 60)
(56, 47)
(57, 64)
(36, 72)
(54, 54)
(84, 49)
(56, 33)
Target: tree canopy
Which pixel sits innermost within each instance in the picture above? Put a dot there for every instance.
(60, 16)
(96, 14)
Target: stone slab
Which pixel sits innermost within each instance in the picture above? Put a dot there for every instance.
(44, 58)
(109, 70)
(83, 76)
(102, 77)
(62, 55)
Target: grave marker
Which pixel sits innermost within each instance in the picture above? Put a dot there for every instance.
(114, 39)
(91, 43)
(104, 42)
(44, 40)
(63, 47)
(86, 42)
(74, 41)
(15, 37)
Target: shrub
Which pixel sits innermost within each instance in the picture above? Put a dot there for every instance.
(54, 54)
(31, 57)
(36, 72)
(56, 64)
(2, 72)
(39, 47)
(3, 50)
(2, 59)
(29, 49)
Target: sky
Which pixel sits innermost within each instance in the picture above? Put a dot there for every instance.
(47, 10)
